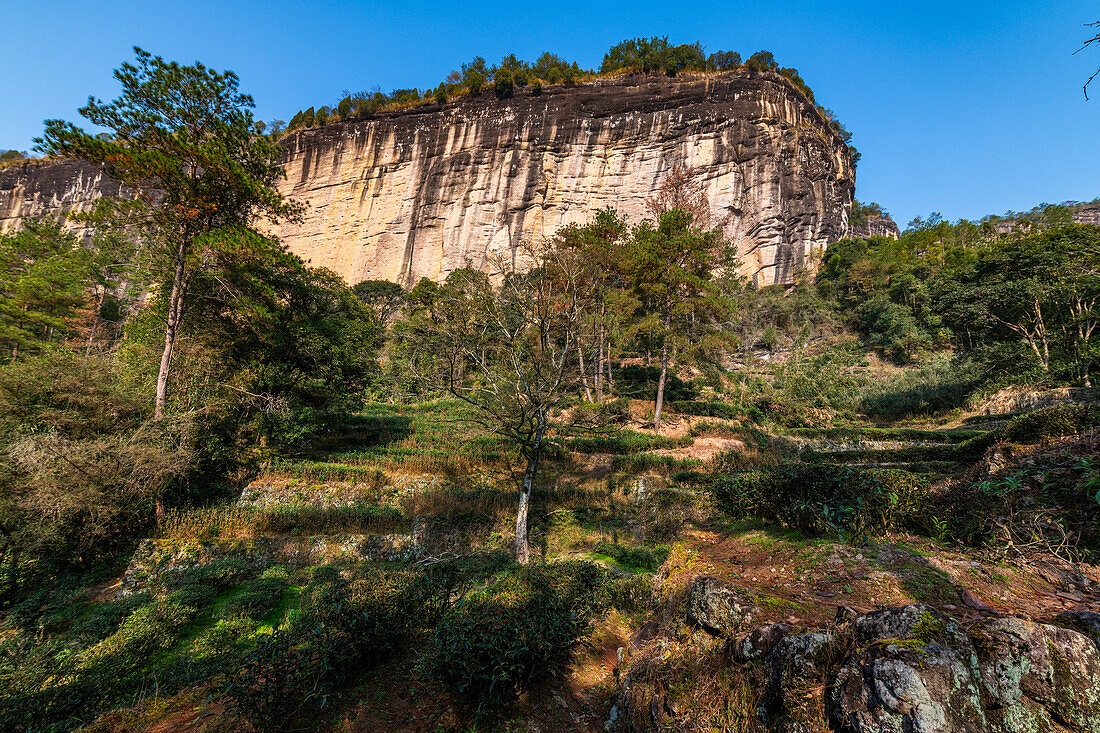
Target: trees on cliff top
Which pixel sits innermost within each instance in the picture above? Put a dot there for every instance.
(644, 55)
(184, 139)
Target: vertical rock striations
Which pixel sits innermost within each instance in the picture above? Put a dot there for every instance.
(422, 192)
(51, 189)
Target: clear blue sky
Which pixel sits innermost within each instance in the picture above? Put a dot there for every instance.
(965, 108)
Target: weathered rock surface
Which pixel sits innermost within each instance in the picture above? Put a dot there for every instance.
(875, 226)
(51, 189)
(909, 669)
(718, 606)
(422, 192)
(913, 670)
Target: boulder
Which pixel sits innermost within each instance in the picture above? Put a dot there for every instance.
(758, 643)
(909, 669)
(1036, 677)
(718, 607)
(912, 670)
(798, 669)
(1087, 622)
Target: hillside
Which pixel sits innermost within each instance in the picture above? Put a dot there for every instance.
(601, 481)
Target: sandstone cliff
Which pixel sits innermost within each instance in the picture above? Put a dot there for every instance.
(875, 226)
(422, 192)
(51, 189)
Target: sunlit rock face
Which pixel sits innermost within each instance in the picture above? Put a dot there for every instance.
(422, 192)
(875, 226)
(37, 189)
(425, 192)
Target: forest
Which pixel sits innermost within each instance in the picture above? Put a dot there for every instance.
(239, 492)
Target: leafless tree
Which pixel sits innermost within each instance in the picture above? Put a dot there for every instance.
(505, 350)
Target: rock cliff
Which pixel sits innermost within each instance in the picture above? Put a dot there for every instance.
(875, 226)
(51, 189)
(422, 192)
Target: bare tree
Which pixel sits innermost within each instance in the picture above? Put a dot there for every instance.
(505, 350)
(1094, 40)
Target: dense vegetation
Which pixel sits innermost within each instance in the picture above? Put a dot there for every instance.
(654, 55)
(311, 489)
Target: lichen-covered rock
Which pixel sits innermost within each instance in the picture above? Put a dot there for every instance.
(759, 642)
(909, 669)
(1087, 622)
(797, 671)
(1036, 676)
(913, 670)
(718, 607)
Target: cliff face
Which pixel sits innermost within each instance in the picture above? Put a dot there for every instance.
(423, 192)
(875, 226)
(51, 189)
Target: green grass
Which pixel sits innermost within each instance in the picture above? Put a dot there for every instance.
(872, 433)
(232, 522)
(625, 442)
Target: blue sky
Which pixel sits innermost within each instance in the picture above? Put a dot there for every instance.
(965, 108)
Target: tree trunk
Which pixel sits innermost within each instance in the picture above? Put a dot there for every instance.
(521, 548)
(175, 303)
(599, 367)
(95, 323)
(584, 374)
(661, 386)
(607, 361)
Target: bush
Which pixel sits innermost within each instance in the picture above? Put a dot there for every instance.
(105, 618)
(643, 558)
(1050, 422)
(641, 381)
(342, 629)
(631, 594)
(823, 500)
(705, 409)
(939, 385)
(261, 594)
(624, 442)
(525, 623)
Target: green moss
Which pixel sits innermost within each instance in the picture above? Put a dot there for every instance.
(927, 627)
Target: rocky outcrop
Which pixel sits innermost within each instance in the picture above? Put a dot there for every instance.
(908, 669)
(875, 226)
(51, 190)
(717, 606)
(422, 192)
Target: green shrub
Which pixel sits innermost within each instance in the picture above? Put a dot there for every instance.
(940, 384)
(524, 624)
(260, 595)
(148, 630)
(641, 381)
(623, 442)
(702, 408)
(631, 594)
(105, 618)
(341, 630)
(643, 558)
(225, 637)
(824, 500)
(1050, 422)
